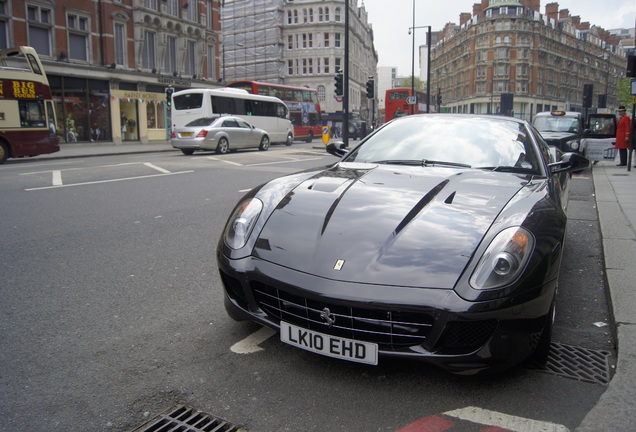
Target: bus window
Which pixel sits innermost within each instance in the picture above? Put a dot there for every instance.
(188, 101)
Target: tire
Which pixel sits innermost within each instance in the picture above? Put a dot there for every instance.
(223, 146)
(310, 137)
(4, 153)
(264, 143)
(187, 152)
(542, 351)
(290, 140)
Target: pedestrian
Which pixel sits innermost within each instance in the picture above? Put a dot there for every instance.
(623, 130)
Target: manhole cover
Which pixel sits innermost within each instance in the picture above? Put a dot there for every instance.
(582, 364)
(185, 419)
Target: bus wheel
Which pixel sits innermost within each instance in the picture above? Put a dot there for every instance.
(223, 146)
(310, 137)
(187, 152)
(264, 143)
(290, 140)
(4, 152)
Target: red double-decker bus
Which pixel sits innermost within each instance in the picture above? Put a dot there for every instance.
(27, 114)
(396, 104)
(302, 102)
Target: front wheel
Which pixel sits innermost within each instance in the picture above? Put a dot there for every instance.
(290, 140)
(264, 143)
(310, 137)
(223, 146)
(541, 353)
(4, 152)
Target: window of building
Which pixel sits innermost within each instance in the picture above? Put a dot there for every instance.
(290, 42)
(326, 14)
(304, 66)
(119, 34)
(326, 64)
(172, 7)
(290, 67)
(193, 12)
(310, 65)
(337, 42)
(191, 58)
(211, 62)
(311, 15)
(209, 14)
(320, 15)
(310, 40)
(170, 58)
(289, 17)
(40, 23)
(338, 64)
(305, 16)
(304, 40)
(322, 93)
(337, 14)
(325, 39)
(149, 50)
(5, 40)
(150, 4)
(78, 37)
(295, 17)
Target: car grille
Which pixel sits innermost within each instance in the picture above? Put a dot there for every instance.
(391, 330)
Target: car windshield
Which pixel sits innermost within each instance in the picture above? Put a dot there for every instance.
(203, 121)
(452, 140)
(556, 124)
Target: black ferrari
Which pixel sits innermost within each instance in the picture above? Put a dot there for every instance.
(439, 238)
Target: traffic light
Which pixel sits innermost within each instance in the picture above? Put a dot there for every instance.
(439, 98)
(588, 91)
(169, 91)
(370, 88)
(339, 91)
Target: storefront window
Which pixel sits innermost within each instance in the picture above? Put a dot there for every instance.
(156, 114)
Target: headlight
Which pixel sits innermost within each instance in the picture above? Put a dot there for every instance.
(504, 260)
(242, 222)
(574, 145)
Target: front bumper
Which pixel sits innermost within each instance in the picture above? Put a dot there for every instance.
(433, 325)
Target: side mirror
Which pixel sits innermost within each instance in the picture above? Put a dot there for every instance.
(337, 148)
(569, 162)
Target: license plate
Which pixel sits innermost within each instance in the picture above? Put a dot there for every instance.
(186, 134)
(327, 345)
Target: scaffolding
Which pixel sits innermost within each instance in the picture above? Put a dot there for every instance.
(253, 40)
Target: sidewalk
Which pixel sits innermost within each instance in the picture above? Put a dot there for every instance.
(615, 190)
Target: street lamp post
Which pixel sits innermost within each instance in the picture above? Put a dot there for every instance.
(428, 64)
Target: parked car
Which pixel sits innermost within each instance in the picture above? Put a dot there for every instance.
(438, 238)
(220, 134)
(562, 129)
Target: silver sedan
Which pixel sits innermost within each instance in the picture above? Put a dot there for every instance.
(220, 134)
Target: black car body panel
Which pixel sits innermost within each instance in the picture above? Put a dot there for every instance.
(387, 251)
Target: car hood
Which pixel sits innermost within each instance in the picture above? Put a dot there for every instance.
(381, 224)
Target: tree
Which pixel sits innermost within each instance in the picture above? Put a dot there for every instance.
(623, 95)
(417, 83)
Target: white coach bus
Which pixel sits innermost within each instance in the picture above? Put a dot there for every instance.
(266, 112)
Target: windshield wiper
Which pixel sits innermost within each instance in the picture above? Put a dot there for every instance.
(509, 169)
(420, 162)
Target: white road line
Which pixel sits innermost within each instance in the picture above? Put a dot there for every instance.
(149, 165)
(57, 178)
(225, 161)
(505, 421)
(250, 344)
(107, 181)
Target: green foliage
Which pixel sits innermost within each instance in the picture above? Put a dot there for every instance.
(623, 95)
(418, 84)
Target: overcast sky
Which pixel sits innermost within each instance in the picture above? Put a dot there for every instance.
(391, 20)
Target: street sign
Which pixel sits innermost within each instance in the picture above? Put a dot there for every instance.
(325, 135)
(411, 100)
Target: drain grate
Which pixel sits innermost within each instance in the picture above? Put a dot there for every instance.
(185, 419)
(582, 364)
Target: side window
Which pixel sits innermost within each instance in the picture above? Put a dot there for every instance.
(544, 148)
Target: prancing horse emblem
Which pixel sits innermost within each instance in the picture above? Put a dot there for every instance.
(328, 317)
(339, 264)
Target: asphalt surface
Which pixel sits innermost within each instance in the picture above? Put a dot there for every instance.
(615, 193)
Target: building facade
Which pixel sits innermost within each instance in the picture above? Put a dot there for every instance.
(301, 43)
(544, 60)
(109, 62)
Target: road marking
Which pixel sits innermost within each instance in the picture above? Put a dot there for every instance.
(250, 344)
(57, 178)
(107, 181)
(149, 165)
(505, 421)
(224, 160)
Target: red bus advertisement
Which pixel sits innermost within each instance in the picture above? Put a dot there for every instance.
(396, 105)
(302, 102)
(27, 114)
